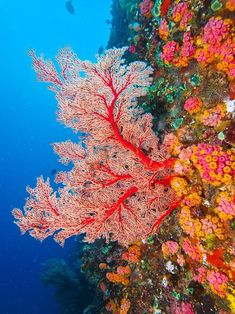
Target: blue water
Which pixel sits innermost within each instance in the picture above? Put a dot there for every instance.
(27, 128)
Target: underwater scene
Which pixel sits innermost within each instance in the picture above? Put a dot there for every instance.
(117, 157)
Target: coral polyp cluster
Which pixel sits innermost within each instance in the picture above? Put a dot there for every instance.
(190, 45)
(214, 165)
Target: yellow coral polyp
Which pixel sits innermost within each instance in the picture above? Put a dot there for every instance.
(219, 177)
(212, 174)
(182, 62)
(223, 216)
(194, 159)
(199, 42)
(201, 234)
(222, 66)
(227, 178)
(217, 227)
(216, 183)
(226, 169)
(177, 17)
(208, 158)
(193, 199)
(222, 194)
(220, 236)
(198, 228)
(222, 290)
(191, 226)
(219, 231)
(231, 300)
(180, 185)
(103, 266)
(213, 165)
(230, 5)
(215, 153)
(215, 220)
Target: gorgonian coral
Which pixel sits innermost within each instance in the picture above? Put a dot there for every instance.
(116, 188)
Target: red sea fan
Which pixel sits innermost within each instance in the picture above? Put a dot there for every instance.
(165, 7)
(117, 188)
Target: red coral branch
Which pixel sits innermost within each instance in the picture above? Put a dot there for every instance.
(157, 224)
(45, 70)
(116, 188)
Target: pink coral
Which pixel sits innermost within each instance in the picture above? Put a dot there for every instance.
(179, 11)
(184, 308)
(193, 105)
(215, 30)
(208, 227)
(169, 50)
(200, 275)
(186, 19)
(217, 45)
(191, 250)
(123, 270)
(213, 116)
(145, 7)
(180, 260)
(163, 29)
(112, 191)
(218, 282)
(172, 52)
(179, 167)
(186, 153)
(227, 50)
(226, 205)
(187, 49)
(212, 163)
(171, 143)
(132, 49)
(170, 248)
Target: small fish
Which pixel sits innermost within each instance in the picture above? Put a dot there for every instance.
(70, 7)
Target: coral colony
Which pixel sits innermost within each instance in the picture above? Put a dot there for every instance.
(116, 189)
(152, 183)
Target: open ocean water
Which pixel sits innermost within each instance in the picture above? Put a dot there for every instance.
(28, 127)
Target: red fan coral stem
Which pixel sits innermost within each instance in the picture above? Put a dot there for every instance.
(121, 200)
(164, 215)
(145, 160)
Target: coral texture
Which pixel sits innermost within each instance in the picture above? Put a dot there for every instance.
(117, 186)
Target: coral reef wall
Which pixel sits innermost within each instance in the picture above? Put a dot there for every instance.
(152, 188)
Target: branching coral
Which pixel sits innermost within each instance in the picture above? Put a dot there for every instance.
(116, 188)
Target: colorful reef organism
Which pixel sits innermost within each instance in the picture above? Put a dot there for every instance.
(116, 189)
